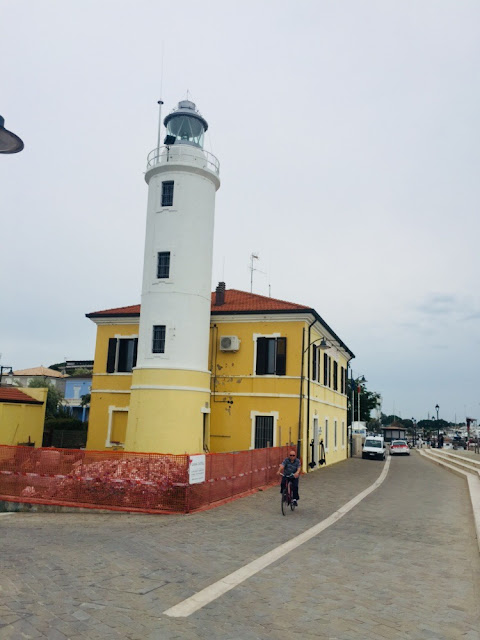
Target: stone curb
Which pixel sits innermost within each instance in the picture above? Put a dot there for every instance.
(473, 482)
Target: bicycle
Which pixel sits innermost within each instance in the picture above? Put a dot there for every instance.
(287, 498)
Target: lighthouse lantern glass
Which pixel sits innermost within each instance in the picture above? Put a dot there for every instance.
(187, 130)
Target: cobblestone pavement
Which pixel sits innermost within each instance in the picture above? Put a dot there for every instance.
(402, 564)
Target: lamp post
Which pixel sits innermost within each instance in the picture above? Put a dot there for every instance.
(414, 422)
(9, 142)
(438, 427)
(2, 369)
(361, 381)
(323, 345)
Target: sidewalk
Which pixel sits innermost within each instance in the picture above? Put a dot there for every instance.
(375, 574)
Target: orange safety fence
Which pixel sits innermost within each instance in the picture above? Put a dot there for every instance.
(125, 481)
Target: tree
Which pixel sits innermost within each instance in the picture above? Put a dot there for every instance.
(369, 400)
(54, 396)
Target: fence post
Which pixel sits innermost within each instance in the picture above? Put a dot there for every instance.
(187, 490)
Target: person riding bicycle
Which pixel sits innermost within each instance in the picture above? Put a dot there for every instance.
(289, 466)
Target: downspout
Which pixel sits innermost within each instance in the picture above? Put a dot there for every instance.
(308, 386)
(352, 412)
(299, 436)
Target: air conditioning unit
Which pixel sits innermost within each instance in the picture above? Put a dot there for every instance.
(229, 343)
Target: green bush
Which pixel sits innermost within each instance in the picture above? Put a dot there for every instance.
(64, 424)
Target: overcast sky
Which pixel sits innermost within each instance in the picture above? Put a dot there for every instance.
(347, 133)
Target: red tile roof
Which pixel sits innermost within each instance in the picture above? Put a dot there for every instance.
(235, 300)
(13, 394)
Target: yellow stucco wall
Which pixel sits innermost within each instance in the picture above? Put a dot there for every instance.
(238, 395)
(167, 411)
(21, 422)
(110, 393)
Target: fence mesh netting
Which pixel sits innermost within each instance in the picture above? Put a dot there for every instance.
(146, 482)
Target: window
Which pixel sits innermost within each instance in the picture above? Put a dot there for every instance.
(342, 380)
(326, 370)
(343, 434)
(263, 432)
(316, 366)
(167, 193)
(335, 434)
(326, 434)
(163, 264)
(122, 355)
(158, 343)
(335, 375)
(271, 356)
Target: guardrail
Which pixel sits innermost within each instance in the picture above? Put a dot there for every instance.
(183, 154)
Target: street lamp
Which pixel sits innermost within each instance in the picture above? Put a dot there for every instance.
(361, 381)
(414, 422)
(9, 142)
(438, 427)
(323, 345)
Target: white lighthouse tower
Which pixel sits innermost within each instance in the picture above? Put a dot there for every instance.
(170, 393)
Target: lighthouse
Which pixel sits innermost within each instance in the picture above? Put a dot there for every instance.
(170, 393)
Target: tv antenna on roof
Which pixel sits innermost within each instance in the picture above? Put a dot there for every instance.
(253, 256)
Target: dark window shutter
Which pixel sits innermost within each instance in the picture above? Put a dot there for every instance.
(112, 350)
(135, 349)
(325, 369)
(262, 347)
(281, 365)
(314, 362)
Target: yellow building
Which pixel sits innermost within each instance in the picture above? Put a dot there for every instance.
(22, 415)
(278, 376)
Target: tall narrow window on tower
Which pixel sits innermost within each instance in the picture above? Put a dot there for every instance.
(158, 343)
(167, 193)
(163, 264)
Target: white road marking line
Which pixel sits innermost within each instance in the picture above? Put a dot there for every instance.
(7, 513)
(205, 596)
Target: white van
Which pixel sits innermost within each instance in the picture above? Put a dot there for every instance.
(374, 447)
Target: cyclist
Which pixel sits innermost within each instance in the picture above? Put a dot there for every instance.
(290, 465)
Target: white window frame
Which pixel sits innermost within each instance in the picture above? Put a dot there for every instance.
(335, 435)
(111, 410)
(119, 337)
(254, 370)
(253, 415)
(343, 434)
(325, 442)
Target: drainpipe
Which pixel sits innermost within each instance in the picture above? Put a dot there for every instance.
(299, 437)
(308, 385)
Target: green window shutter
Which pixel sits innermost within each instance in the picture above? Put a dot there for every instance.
(281, 363)
(112, 350)
(262, 352)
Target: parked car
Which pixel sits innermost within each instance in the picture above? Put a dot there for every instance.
(399, 447)
(374, 447)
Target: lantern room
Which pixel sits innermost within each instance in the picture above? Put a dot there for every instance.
(185, 125)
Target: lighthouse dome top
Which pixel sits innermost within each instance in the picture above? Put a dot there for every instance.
(185, 125)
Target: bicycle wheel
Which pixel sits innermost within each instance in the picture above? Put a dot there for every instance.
(292, 501)
(284, 501)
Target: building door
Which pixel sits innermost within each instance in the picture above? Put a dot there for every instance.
(263, 432)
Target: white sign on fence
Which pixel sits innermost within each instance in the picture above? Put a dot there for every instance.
(196, 469)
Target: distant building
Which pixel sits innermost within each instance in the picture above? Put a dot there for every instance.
(22, 415)
(23, 377)
(75, 388)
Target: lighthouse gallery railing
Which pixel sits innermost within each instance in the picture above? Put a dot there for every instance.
(183, 154)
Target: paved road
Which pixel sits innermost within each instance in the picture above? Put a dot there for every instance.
(404, 563)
